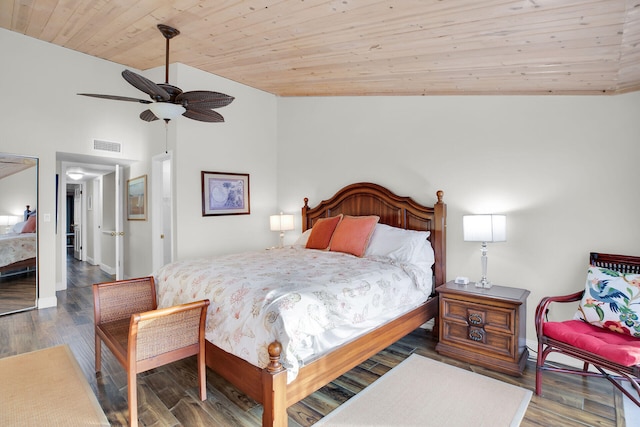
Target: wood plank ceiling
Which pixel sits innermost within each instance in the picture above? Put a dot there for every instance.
(360, 47)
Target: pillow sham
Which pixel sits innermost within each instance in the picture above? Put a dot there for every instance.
(403, 246)
(303, 239)
(322, 231)
(30, 225)
(353, 233)
(610, 301)
(17, 228)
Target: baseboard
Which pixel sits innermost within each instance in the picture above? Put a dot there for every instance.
(108, 269)
(47, 302)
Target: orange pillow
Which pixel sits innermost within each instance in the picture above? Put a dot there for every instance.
(353, 233)
(30, 226)
(321, 232)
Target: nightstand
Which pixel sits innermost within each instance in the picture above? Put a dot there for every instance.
(485, 327)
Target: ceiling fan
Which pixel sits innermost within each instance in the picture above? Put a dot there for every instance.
(169, 101)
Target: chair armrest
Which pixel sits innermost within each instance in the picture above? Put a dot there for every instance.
(541, 309)
(178, 328)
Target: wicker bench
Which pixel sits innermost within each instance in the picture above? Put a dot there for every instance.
(141, 336)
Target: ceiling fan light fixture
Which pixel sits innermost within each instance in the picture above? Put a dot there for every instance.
(166, 110)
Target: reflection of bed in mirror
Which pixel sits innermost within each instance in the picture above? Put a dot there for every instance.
(18, 233)
(17, 253)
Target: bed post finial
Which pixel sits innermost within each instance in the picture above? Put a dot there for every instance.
(440, 195)
(274, 349)
(306, 202)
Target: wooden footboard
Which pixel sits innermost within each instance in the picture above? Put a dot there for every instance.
(269, 386)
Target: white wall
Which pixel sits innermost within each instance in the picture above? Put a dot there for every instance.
(244, 143)
(563, 169)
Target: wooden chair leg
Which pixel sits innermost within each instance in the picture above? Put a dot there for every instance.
(98, 349)
(133, 398)
(202, 376)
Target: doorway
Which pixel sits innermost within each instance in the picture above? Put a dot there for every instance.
(97, 213)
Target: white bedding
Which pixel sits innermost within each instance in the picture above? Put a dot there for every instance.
(16, 247)
(309, 300)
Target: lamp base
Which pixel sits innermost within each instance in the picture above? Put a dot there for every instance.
(483, 283)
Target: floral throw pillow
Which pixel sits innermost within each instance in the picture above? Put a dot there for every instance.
(611, 301)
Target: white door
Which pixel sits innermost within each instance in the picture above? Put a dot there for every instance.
(119, 230)
(77, 223)
(161, 199)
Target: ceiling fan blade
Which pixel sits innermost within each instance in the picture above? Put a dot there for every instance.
(204, 99)
(116, 98)
(204, 115)
(148, 116)
(146, 85)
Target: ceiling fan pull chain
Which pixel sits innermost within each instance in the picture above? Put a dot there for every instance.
(166, 136)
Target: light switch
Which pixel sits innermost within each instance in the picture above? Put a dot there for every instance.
(47, 217)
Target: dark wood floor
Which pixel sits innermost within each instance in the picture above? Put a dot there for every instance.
(168, 396)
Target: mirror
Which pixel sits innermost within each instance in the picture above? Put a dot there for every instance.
(18, 233)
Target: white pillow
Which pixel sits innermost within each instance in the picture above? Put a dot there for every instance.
(17, 228)
(302, 240)
(403, 246)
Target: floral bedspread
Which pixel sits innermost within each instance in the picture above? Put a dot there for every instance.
(309, 300)
(16, 247)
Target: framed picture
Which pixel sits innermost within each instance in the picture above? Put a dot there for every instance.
(137, 198)
(225, 193)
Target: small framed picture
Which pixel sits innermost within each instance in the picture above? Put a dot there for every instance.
(137, 198)
(225, 193)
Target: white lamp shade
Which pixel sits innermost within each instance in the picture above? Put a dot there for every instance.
(166, 110)
(281, 222)
(484, 228)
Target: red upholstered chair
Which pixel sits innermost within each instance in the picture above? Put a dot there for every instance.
(141, 336)
(614, 355)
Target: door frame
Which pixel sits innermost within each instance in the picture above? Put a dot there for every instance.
(69, 161)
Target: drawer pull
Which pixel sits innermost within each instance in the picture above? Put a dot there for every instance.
(476, 334)
(475, 318)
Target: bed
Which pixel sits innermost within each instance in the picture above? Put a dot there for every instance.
(268, 382)
(17, 253)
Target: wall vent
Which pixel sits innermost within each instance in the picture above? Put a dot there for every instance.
(113, 147)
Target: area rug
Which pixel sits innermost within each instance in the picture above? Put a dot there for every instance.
(47, 388)
(424, 392)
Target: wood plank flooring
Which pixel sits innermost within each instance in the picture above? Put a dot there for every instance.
(168, 396)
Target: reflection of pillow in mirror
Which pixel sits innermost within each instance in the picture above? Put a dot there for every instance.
(403, 246)
(30, 225)
(17, 228)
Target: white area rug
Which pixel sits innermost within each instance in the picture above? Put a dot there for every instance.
(424, 392)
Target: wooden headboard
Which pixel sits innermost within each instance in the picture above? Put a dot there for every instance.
(365, 198)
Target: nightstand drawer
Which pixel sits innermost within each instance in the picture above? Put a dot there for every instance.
(495, 319)
(468, 336)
